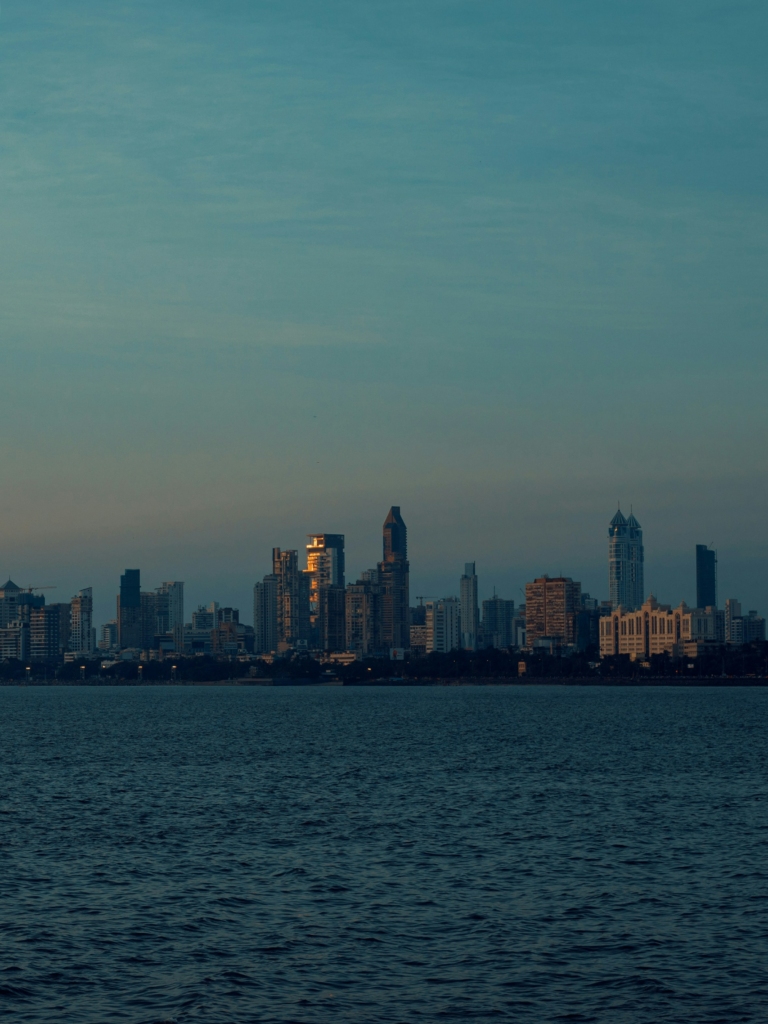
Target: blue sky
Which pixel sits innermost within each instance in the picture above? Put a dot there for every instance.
(269, 268)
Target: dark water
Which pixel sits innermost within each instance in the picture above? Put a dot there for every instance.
(320, 855)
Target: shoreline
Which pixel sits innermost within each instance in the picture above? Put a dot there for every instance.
(624, 681)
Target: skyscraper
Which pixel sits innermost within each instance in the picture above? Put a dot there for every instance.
(442, 625)
(498, 623)
(469, 612)
(129, 622)
(706, 577)
(325, 569)
(265, 615)
(363, 615)
(393, 579)
(625, 562)
(551, 608)
(81, 618)
(292, 600)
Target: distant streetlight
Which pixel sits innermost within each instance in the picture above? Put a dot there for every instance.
(29, 670)
(173, 673)
(82, 673)
(141, 673)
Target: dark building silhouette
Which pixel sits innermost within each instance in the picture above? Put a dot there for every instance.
(265, 615)
(292, 600)
(706, 577)
(363, 615)
(498, 623)
(130, 632)
(393, 580)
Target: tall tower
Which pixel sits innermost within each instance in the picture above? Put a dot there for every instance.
(706, 577)
(265, 615)
(393, 579)
(292, 600)
(129, 620)
(81, 635)
(625, 562)
(469, 612)
(325, 569)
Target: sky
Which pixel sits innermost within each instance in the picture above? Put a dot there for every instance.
(269, 268)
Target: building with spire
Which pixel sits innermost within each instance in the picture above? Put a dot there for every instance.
(393, 580)
(625, 562)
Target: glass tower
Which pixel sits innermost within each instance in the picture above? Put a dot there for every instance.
(706, 577)
(625, 562)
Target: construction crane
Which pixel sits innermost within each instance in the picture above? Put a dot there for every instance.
(30, 590)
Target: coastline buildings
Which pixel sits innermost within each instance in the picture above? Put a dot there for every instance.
(312, 612)
(625, 562)
(657, 629)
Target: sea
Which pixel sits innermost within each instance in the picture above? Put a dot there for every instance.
(383, 854)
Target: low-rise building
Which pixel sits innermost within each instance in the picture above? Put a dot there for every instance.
(656, 629)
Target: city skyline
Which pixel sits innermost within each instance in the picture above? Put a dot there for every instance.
(669, 576)
(323, 558)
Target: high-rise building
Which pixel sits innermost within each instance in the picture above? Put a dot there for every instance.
(469, 612)
(325, 572)
(170, 611)
(108, 640)
(442, 625)
(499, 623)
(265, 615)
(203, 619)
(706, 577)
(49, 631)
(15, 603)
(81, 622)
(625, 563)
(129, 619)
(742, 629)
(393, 579)
(551, 608)
(14, 640)
(733, 621)
(292, 600)
(363, 616)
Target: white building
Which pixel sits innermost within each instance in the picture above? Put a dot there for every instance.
(656, 629)
(625, 562)
(442, 625)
